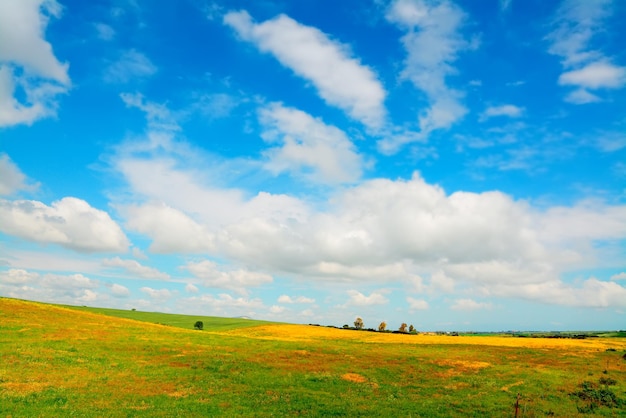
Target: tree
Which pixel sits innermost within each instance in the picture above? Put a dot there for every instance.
(198, 325)
(358, 323)
(382, 326)
(403, 327)
(411, 328)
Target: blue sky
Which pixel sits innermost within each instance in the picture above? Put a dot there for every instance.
(455, 165)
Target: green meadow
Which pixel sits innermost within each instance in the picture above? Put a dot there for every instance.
(88, 362)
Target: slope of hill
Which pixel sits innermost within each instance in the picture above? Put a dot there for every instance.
(58, 361)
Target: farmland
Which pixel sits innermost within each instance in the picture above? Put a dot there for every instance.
(60, 361)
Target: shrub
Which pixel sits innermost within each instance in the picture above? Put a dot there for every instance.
(596, 397)
(198, 325)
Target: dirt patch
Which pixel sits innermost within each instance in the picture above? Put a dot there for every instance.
(354, 377)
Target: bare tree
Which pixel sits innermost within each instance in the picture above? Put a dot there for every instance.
(358, 323)
(382, 326)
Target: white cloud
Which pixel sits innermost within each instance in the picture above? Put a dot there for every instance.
(611, 141)
(341, 81)
(508, 110)
(119, 291)
(581, 96)
(592, 293)
(158, 116)
(58, 288)
(104, 31)
(131, 65)
(135, 268)
(595, 75)
(11, 177)
(275, 309)
(171, 230)
(33, 93)
(359, 299)
(575, 24)
(238, 280)
(377, 230)
(417, 304)
(619, 276)
(469, 305)
(190, 288)
(299, 299)
(222, 305)
(157, 293)
(69, 222)
(433, 42)
(308, 144)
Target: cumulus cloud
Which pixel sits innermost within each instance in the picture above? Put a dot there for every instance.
(238, 280)
(433, 41)
(298, 299)
(359, 299)
(69, 222)
(135, 268)
(340, 80)
(416, 304)
(131, 65)
(11, 177)
(31, 77)
(49, 287)
(381, 229)
(575, 24)
(619, 276)
(307, 144)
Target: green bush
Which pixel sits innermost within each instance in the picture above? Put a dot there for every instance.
(198, 325)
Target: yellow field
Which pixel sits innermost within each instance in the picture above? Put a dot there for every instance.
(316, 333)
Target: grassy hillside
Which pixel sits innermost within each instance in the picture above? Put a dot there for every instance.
(66, 362)
(211, 323)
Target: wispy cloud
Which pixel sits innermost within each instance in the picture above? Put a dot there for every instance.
(433, 41)
(585, 67)
(131, 65)
(135, 268)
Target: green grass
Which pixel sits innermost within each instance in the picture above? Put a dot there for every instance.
(211, 323)
(71, 362)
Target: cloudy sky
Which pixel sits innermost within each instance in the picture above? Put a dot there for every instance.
(456, 165)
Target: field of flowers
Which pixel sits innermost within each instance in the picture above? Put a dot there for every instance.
(58, 361)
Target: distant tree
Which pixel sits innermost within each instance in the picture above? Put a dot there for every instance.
(411, 328)
(382, 327)
(198, 325)
(403, 327)
(346, 326)
(358, 323)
